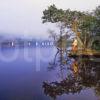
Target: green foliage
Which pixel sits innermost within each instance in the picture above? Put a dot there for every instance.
(97, 12)
(97, 15)
(88, 24)
(54, 15)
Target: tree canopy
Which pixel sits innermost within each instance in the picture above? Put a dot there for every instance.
(86, 20)
(88, 23)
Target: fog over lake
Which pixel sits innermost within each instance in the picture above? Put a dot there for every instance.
(24, 16)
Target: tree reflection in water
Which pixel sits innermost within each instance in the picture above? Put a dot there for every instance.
(82, 74)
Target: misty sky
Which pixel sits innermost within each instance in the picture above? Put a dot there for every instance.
(24, 16)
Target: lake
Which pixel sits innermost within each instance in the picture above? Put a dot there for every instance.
(36, 74)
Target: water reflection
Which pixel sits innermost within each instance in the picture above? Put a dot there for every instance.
(76, 74)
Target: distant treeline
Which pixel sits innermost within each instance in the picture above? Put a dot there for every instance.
(24, 43)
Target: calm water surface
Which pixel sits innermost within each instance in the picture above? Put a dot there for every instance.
(36, 74)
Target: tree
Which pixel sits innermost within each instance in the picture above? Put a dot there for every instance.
(88, 24)
(97, 15)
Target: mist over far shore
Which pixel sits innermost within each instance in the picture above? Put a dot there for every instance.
(23, 17)
(22, 36)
